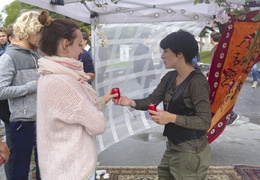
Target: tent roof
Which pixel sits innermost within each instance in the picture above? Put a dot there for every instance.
(134, 11)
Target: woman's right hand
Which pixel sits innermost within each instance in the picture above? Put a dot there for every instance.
(124, 101)
(108, 96)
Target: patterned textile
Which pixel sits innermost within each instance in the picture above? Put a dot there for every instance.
(248, 172)
(150, 173)
(237, 51)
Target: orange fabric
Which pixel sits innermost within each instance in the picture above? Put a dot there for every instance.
(237, 51)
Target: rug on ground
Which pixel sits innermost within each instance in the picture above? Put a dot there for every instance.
(248, 172)
(150, 173)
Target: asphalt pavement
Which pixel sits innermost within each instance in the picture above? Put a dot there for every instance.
(238, 144)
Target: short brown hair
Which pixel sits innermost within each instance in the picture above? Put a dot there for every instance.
(10, 30)
(215, 36)
(2, 29)
(85, 36)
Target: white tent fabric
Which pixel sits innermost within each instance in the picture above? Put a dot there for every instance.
(122, 25)
(114, 66)
(132, 11)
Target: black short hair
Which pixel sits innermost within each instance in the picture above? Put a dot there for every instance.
(181, 41)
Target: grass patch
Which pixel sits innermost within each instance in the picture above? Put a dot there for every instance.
(205, 56)
(119, 65)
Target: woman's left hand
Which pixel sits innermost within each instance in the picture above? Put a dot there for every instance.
(162, 117)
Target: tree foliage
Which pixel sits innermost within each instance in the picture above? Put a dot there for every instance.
(1, 19)
(230, 9)
(14, 9)
(227, 9)
(101, 3)
(84, 27)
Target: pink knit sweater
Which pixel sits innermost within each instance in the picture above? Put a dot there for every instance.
(68, 119)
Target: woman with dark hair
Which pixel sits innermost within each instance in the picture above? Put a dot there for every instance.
(69, 114)
(186, 115)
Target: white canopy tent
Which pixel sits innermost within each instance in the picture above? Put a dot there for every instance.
(132, 11)
(122, 24)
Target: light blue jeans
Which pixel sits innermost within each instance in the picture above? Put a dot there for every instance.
(255, 72)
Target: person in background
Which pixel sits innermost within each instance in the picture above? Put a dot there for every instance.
(69, 116)
(18, 84)
(86, 59)
(214, 40)
(255, 75)
(88, 46)
(3, 40)
(196, 61)
(85, 41)
(10, 34)
(4, 153)
(4, 109)
(5, 115)
(143, 62)
(187, 114)
(13, 39)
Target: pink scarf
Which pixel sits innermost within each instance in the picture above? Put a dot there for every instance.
(64, 65)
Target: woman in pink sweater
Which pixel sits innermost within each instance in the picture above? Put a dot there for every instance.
(69, 115)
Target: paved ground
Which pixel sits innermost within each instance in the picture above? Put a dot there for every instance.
(238, 144)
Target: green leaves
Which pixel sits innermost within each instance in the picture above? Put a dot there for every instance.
(101, 3)
(257, 17)
(13, 11)
(230, 9)
(201, 1)
(1, 20)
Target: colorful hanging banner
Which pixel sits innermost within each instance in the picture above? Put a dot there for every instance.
(238, 50)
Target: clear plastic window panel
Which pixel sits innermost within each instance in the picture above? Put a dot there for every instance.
(121, 62)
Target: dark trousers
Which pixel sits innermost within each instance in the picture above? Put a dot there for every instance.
(23, 141)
